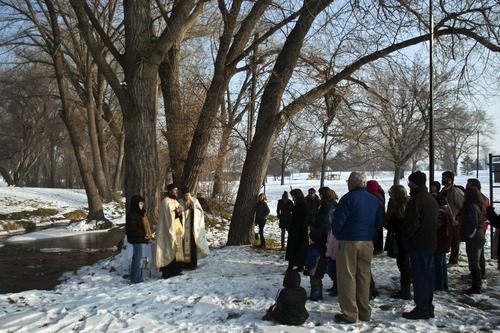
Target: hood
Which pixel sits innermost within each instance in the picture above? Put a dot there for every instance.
(292, 279)
(134, 203)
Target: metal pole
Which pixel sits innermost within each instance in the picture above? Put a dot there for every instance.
(477, 157)
(431, 95)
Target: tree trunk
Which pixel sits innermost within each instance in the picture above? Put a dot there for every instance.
(398, 174)
(98, 171)
(268, 125)
(177, 133)
(95, 204)
(220, 163)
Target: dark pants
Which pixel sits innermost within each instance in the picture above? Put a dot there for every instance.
(455, 245)
(403, 262)
(331, 269)
(482, 263)
(378, 242)
(423, 278)
(262, 224)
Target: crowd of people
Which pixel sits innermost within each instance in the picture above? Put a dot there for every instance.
(338, 238)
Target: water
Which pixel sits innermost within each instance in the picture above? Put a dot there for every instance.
(25, 266)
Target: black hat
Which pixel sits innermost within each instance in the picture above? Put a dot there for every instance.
(171, 186)
(418, 178)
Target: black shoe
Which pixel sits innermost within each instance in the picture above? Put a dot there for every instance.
(472, 291)
(401, 295)
(432, 315)
(413, 315)
(333, 293)
(266, 317)
(340, 319)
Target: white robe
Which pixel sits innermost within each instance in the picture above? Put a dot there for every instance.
(198, 224)
(166, 230)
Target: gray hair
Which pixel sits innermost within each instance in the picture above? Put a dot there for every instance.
(357, 179)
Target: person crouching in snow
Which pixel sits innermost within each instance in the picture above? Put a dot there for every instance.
(290, 305)
(315, 265)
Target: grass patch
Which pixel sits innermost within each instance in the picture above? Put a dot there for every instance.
(27, 214)
(76, 215)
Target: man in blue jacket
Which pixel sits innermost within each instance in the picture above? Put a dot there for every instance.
(358, 214)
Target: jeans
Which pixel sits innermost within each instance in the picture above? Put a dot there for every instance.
(441, 268)
(423, 277)
(136, 266)
(473, 255)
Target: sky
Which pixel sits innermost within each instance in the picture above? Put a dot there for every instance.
(231, 289)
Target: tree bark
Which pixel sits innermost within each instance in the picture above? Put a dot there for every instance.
(268, 125)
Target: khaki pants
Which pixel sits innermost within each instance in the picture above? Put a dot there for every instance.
(353, 275)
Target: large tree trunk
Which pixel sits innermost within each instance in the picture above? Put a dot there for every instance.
(99, 177)
(268, 125)
(177, 133)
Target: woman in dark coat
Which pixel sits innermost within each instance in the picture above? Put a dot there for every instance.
(298, 238)
(261, 213)
(136, 235)
(393, 223)
(472, 233)
(284, 212)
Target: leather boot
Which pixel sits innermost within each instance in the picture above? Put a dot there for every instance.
(476, 282)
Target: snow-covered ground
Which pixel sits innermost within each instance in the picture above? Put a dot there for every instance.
(230, 290)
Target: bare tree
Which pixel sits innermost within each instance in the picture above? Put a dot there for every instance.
(455, 20)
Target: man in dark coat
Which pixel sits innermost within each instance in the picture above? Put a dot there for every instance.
(284, 212)
(290, 305)
(419, 237)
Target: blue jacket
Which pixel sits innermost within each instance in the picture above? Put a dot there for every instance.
(357, 216)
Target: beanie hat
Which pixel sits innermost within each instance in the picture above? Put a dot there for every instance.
(418, 178)
(171, 186)
(372, 186)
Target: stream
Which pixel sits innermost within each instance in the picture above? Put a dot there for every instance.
(39, 264)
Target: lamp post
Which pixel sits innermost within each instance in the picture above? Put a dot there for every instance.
(431, 95)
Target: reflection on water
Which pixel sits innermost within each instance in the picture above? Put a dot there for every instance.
(90, 240)
(25, 266)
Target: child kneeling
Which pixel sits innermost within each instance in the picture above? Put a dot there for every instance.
(290, 305)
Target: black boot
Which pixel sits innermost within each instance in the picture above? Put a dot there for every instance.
(404, 293)
(476, 282)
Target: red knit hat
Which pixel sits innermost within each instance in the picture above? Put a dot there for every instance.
(372, 186)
